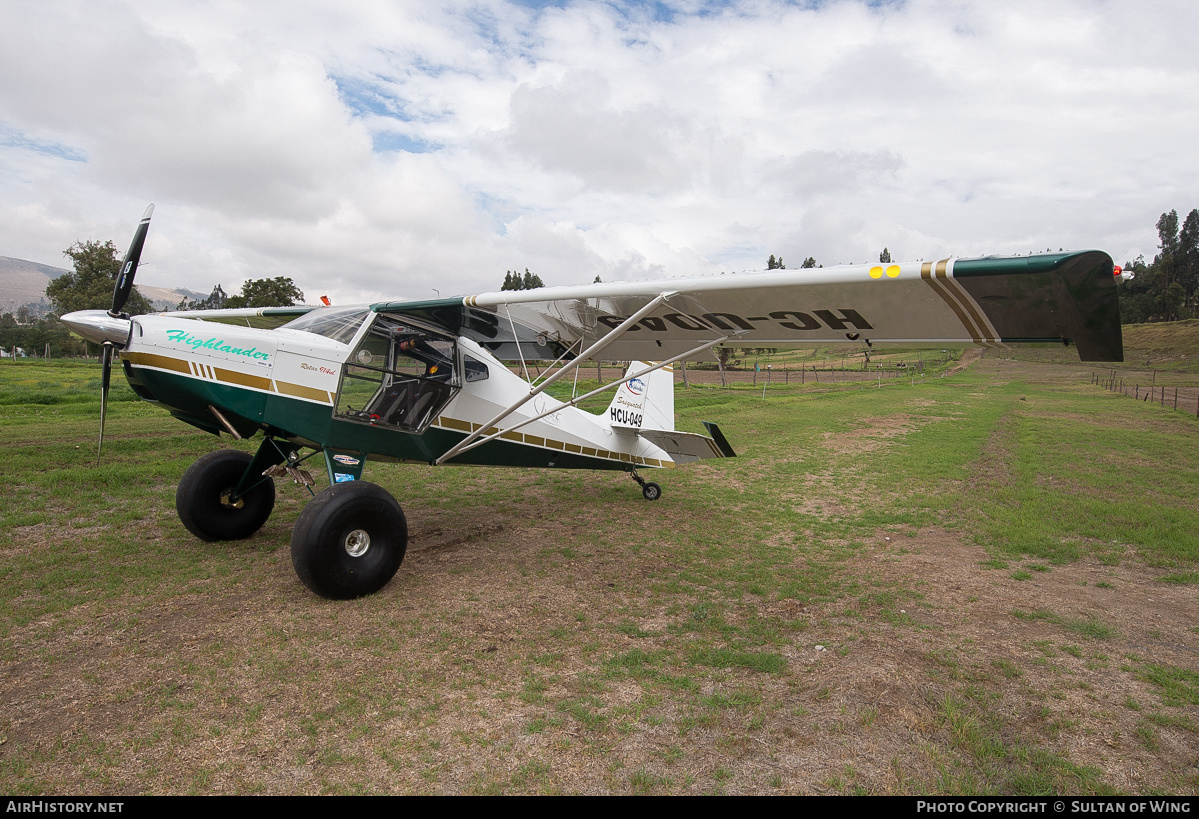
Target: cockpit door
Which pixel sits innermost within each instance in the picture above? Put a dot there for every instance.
(399, 376)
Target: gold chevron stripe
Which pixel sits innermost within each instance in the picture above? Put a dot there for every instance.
(965, 300)
(926, 273)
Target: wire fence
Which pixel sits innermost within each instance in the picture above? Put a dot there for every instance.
(822, 372)
(1164, 395)
(767, 373)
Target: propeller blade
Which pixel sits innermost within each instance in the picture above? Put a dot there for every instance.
(106, 351)
(124, 287)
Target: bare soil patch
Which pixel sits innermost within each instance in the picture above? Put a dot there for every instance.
(445, 699)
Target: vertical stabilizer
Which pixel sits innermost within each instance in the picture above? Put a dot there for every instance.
(646, 402)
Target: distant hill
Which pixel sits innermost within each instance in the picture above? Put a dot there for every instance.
(1162, 342)
(24, 282)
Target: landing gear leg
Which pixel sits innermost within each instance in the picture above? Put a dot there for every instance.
(649, 490)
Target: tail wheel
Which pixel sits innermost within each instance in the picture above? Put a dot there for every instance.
(651, 491)
(349, 541)
(205, 502)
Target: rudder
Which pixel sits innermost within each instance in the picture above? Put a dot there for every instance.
(644, 403)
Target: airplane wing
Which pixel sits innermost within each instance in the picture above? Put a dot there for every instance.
(1067, 298)
(263, 318)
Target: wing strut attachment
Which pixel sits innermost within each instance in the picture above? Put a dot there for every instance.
(616, 333)
(469, 443)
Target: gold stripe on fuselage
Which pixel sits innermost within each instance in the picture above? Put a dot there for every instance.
(239, 379)
(162, 362)
(549, 443)
(300, 391)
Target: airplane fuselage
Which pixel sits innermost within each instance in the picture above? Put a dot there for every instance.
(287, 383)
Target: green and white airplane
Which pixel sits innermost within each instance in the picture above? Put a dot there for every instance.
(423, 381)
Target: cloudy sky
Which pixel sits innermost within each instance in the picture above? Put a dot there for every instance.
(388, 149)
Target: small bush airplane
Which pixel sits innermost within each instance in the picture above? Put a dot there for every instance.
(422, 381)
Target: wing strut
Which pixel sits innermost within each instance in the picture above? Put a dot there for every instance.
(524, 368)
(564, 355)
(616, 333)
(469, 444)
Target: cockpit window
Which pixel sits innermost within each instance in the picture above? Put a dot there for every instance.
(336, 323)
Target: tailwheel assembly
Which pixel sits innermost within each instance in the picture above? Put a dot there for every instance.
(649, 490)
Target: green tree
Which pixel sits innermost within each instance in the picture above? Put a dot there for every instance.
(532, 281)
(1166, 288)
(1137, 304)
(1166, 262)
(91, 284)
(775, 264)
(513, 280)
(34, 337)
(808, 263)
(280, 291)
(885, 256)
(1188, 257)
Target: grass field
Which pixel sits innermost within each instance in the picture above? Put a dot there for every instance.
(980, 583)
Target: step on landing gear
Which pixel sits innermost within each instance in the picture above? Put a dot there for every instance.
(649, 490)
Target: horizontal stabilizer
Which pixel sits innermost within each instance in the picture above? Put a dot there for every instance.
(685, 447)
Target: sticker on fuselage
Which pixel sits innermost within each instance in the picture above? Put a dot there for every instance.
(218, 345)
(346, 459)
(623, 416)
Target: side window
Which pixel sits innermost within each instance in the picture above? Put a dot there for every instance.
(399, 376)
(473, 370)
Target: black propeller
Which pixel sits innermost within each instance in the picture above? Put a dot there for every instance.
(120, 295)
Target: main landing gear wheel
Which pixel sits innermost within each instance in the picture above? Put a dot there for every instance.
(349, 541)
(205, 503)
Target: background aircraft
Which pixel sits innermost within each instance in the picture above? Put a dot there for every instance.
(424, 381)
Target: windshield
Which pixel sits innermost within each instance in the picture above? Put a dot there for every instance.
(337, 323)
